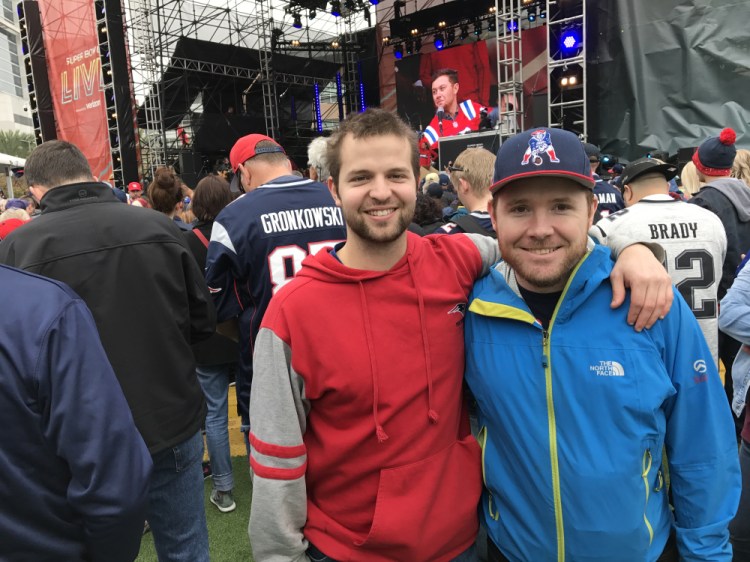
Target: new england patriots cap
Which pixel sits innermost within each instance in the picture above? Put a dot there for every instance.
(542, 152)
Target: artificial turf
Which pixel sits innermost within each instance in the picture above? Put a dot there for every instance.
(227, 532)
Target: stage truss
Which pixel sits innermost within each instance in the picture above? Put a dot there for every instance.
(155, 26)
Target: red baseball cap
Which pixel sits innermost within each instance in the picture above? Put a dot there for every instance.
(9, 225)
(244, 149)
(134, 186)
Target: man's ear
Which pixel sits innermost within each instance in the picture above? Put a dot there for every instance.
(491, 211)
(334, 191)
(463, 186)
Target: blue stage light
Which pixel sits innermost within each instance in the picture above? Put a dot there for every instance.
(439, 42)
(398, 52)
(513, 25)
(570, 41)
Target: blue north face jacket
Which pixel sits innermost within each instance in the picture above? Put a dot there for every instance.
(575, 420)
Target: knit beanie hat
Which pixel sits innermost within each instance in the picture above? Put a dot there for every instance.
(715, 155)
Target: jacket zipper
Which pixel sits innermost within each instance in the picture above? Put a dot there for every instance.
(645, 469)
(482, 438)
(556, 494)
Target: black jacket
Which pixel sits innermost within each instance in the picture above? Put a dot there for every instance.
(218, 349)
(729, 199)
(149, 299)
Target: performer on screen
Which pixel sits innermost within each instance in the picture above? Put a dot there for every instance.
(451, 117)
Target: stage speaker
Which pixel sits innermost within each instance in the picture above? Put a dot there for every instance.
(190, 168)
(450, 147)
(35, 65)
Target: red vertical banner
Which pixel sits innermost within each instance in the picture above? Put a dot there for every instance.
(75, 76)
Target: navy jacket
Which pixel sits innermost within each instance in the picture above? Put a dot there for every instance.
(76, 470)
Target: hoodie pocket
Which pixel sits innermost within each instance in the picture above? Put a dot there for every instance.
(429, 507)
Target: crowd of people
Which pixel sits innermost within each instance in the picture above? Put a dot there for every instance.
(544, 366)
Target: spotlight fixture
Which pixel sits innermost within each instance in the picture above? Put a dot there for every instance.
(312, 14)
(450, 36)
(414, 32)
(386, 40)
(527, 2)
(409, 46)
(513, 26)
(336, 8)
(493, 9)
(464, 32)
(542, 14)
(478, 28)
(335, 44)
(441, 24)
(569, 80)
(350, 5)
(532, 14)
(295, 43)
(570, 41)
(439, 41)
(491, 25)
(398, 52)
(374, 2)
(397, 6)
(297, 20)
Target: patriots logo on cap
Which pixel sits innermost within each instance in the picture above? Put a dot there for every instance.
(540, 143)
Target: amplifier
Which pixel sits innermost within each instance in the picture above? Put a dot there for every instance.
(450, 147)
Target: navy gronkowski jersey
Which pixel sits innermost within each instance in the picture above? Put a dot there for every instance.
(610, 199)
(257, 245)
(482, 218)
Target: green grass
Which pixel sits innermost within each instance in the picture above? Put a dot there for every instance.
(227, 532)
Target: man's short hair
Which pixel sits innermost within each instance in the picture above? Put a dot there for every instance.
(373, 122)
(272, 158)
(476, 167)
(317, 157)
(55, 163)
(451, 73)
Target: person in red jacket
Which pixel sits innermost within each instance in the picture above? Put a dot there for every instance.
(359, 435)
(451, 117)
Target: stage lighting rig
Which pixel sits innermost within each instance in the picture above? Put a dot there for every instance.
(450, 36)
(297, 20)
(409, 46)
(336, 8)
(398, 52)
(491, 25)
(439, 41)
(532, 14)
(398, 5)
(513, 26)
(464, 32)
(478, 28)
(571, 41)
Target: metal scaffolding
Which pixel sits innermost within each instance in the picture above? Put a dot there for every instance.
(509, 66)
(156, 26)
(566, 66)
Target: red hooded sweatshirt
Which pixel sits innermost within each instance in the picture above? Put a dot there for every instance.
(359, 434)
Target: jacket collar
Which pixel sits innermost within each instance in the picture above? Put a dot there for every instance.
(74, 194)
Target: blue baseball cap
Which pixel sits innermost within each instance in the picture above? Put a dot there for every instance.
(542, 152)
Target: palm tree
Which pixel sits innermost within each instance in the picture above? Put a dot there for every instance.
(16, 143)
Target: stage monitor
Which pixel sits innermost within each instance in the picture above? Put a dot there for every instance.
(450, 147)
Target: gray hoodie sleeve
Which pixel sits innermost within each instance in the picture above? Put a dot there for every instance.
(278, 414)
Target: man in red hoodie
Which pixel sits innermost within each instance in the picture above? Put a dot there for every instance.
(360, 443)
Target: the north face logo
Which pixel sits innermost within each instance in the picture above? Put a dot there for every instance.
(607, 369)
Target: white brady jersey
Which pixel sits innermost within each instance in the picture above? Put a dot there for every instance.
(694, 243)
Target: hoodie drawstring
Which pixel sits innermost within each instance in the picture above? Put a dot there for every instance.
(379, 431)
(431, 413)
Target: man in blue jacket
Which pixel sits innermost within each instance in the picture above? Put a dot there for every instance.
(76, 469)
(584, 422)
